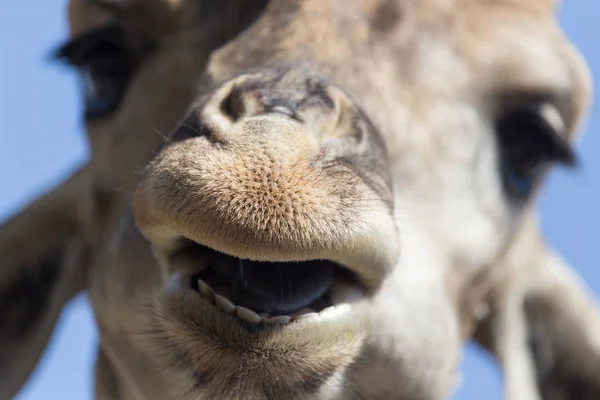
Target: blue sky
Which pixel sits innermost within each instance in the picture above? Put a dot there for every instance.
(41, 140)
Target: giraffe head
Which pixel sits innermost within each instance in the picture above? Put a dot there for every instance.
(290, 199)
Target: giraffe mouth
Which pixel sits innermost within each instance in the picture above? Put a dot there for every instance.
(262, 292)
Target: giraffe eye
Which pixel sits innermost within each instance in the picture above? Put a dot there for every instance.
(530, 141)
(105, 65)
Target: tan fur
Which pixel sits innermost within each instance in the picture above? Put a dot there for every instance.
(381, 157)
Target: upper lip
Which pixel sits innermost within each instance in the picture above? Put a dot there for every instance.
(170, 205)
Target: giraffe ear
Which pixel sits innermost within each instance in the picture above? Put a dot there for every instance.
(563, 325)
(42, 265)
(555, 320)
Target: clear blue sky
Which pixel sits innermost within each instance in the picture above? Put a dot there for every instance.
(41, 140)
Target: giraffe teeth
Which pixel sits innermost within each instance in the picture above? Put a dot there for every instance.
(279, 319)
(303, 312)
(206, 290)
(224, 304)
(306, 316)
(247, 315)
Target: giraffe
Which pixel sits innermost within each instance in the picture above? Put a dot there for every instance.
(310, 199)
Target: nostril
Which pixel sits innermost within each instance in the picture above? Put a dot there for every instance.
(188, 129)
(232, 105)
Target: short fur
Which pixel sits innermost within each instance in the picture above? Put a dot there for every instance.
(359, 131)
